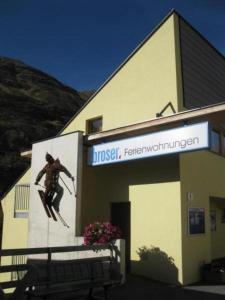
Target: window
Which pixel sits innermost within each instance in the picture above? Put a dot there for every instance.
(215, 141)
(21, 203)
(94, 125)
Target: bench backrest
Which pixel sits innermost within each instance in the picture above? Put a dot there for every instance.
(84, 270)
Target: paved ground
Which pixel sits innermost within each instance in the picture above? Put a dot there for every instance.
(138, 288)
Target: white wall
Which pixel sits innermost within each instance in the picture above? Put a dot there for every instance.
(44, 231)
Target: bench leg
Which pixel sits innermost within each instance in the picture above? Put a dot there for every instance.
(90, 293)
(106, 292)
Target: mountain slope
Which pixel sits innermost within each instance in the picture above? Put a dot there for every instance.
(33, 106)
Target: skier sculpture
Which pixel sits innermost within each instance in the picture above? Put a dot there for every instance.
(52, 170)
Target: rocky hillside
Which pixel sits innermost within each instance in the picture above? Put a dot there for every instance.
(33, 106)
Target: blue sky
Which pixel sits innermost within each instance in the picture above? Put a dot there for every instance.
(81, 42)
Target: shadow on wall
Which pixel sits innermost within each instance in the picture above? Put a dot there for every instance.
(110, 183)
(155, 264)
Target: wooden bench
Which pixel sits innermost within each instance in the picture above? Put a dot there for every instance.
(48, 277)
(58, 277)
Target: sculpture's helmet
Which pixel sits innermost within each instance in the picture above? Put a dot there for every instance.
(49, 158)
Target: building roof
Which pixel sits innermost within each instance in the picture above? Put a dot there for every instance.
(173, 11)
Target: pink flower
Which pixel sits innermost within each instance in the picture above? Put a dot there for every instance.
(100, 233)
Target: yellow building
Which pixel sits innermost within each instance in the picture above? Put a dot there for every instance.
(170, 204)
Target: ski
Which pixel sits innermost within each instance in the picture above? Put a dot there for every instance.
(62, 220)
(52, 212)
(41, 194)
(48, 208)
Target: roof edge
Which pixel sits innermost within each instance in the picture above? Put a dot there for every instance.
(173, 11)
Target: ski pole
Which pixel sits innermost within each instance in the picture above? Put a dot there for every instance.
(41, 185)
(62, 220)
(65, 185)
(74, 189)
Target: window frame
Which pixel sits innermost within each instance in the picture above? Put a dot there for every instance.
(221, 133)
(195, 210)
(211, 148)
(21, 201)
(89, 122)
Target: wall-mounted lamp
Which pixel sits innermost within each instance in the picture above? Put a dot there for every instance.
(160, 114)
